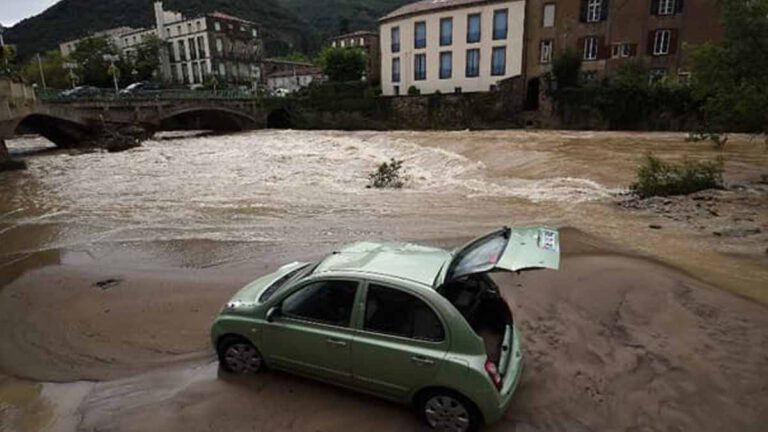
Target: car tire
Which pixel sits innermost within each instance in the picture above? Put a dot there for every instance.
(446, 410)
(239, 356)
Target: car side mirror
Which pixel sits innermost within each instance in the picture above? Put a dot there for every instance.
(273, 313)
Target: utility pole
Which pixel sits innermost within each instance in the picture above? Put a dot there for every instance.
(113, 70)
(42, 73)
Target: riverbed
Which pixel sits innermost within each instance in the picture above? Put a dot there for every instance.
(113, 265)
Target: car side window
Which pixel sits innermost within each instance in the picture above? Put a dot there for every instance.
(394, 312)
(328, 302)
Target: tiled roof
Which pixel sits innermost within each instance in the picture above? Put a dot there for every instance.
(222, 15)
(354, 34)
(429, 6)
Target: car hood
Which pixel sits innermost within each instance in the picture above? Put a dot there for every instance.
(248, 296)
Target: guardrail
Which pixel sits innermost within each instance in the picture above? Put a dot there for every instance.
(105, 95)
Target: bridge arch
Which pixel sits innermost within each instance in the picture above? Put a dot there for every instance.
(214, 118)
(62, 132)
(279, 119)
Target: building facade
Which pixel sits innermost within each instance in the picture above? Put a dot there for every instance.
(451, 46)
(607, 34)
(367, 41)
(290, 81)
(197, 49)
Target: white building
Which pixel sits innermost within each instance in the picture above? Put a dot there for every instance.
(451, 46)
(69, 47)
(293, 80)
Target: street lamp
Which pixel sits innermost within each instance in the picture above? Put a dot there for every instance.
(113, 70)
(70, 67)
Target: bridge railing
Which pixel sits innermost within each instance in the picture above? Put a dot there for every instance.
(109, 96)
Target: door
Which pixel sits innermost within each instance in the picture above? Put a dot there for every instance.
(507, 249)
(312, 333)
(400, 345)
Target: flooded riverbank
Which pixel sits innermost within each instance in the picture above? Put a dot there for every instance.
(113, 265)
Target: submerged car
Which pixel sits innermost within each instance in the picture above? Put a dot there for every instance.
(414, 324)
(140, 88)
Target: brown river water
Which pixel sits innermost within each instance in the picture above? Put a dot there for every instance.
(113, 265)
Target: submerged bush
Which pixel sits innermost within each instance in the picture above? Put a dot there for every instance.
(388, 175)
(658, 178)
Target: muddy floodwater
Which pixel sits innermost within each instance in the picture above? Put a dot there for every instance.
(112, 267)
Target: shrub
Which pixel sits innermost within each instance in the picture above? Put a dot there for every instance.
(388, 175)
(658, 178)
(413, 91)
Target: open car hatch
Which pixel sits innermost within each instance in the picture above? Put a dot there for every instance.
(508, 249)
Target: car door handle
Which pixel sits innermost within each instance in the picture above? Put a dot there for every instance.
(423, 361)
(336, 342)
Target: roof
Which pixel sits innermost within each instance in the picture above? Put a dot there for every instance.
(222, 15)
(415, 263)
(425, 6)
(286, 62)
(354, 34)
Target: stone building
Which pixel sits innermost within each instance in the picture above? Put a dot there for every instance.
(451, 46)
(368, 41)
(606, 34)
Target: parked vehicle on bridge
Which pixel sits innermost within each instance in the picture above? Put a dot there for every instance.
(413, 324)
(142, 87)
(81, 92)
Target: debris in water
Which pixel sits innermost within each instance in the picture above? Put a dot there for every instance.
(108, 283)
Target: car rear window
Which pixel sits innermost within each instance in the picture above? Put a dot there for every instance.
(276, 285)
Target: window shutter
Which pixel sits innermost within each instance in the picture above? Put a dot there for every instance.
(654, 7)
(678, 6)
(651, 39)
(583, 12)
(580, 46)
(602, 50)
(673, 41)
(604, 10)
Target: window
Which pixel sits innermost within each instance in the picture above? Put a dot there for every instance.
(361, 41)
(396, 90)
(396, 70)
(182, 50)
(500, 24)
(446, 31)
(395, 39)
(222, 70)
(549, 15)
(333, 44)
(420, 35)
(196, 72)
(661, 42)
(446, 65)
(192, 49)
(420, 67)
(666, 7)
(184, 73)
(499, 61)
(328, 302)
(201, 47)
(217, 26)
(189, 27)
(343, 43)
(545, 51)
(473, 28)
(621, 50)
(198, 25)
(397, 313)
(473, 63)
(594, 10)
(219, 46)
(171, 52)
(590, 48)
(254, 33)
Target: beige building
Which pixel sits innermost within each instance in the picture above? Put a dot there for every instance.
(367, 41)
(451, 46)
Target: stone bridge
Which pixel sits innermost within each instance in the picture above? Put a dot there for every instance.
(68, 123)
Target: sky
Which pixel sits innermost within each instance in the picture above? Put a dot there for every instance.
(13, 11)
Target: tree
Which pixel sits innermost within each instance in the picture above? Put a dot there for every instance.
(91, 66)
(566, 69)
(53, 67)
(145, 61)
(7, 56)
(343, 64)
(730, 79)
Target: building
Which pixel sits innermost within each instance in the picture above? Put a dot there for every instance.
(369, 42)
(289, 81)
(196, 49)
(607, 34)
(451, 46)
(114, 35)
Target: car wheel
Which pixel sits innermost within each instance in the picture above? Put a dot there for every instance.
(238, 356)
(445, 410)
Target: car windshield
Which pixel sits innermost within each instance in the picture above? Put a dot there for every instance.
(291, 276)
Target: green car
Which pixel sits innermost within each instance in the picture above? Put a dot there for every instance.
(409, 323)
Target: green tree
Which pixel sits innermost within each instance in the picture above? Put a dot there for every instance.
(53, 68)
(7, 57)
(91, 66)
(145, 61)
(343, 64)
(730, 78)
(566, 69)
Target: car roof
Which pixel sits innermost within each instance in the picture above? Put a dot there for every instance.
(415, 263)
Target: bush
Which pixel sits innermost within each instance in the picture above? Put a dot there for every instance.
(413, 91)
(388, 175)
(658, 178)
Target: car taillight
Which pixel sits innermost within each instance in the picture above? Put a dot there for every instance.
(493, 372)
